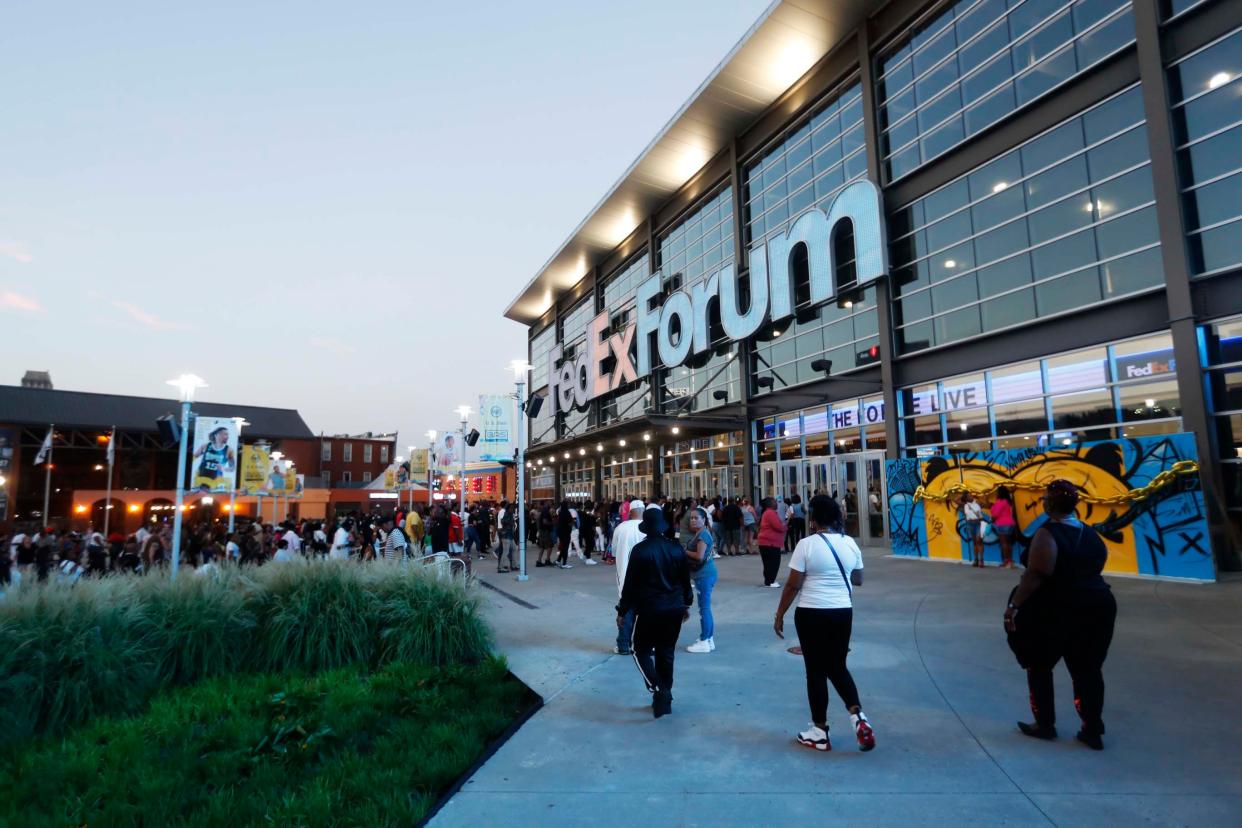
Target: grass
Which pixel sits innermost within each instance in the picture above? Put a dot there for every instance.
(345, 747)
(69, 654)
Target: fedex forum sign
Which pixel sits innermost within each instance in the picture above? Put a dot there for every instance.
(679, 326)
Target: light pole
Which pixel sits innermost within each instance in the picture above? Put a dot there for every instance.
(240, 421)
(520, 368)
(431, 471)
(187, 384)
(464, 412)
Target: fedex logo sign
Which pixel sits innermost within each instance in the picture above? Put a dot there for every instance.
(679, 325)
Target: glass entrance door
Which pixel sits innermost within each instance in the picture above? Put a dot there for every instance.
(788, 479)
(859, 484)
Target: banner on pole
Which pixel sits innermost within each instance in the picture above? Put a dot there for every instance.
(214, 455)
(390, 478)
(418, 464)
(496, 427)
(446, 456)
(255, 461)
(45, 449)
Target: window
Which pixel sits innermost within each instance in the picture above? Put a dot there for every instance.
(366, 452)
(634, 400)
(347, 477)
(325, 452)
(1064, 221)
(814, 162)
(1205, 90)
(327, 478)
(978, 61)
(349, 452)
(1223, 341)
(383, 454)
(366, 477)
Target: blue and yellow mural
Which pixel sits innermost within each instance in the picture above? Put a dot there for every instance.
(1141, 494)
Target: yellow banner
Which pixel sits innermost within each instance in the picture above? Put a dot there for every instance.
(254, 465)
(390, 478)
(419, 462)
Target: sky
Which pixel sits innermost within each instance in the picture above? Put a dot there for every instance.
(313, 205)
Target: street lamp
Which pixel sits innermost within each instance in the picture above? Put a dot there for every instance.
(463, 411)
(187, 384)
(520, 369)
(239, 421)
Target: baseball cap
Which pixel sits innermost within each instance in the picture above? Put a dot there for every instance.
(637, 504)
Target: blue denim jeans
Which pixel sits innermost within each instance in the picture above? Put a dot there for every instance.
(704, 583)
(626, 632)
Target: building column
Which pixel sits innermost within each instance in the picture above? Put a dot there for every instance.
(741, 265)
(883, 287)
(1196, 418)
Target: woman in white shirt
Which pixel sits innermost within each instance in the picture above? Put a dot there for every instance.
(823, 571)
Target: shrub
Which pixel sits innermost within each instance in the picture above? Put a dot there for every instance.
(341, 748)
(70, 653)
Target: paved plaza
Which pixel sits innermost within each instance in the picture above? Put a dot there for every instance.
(936, 679)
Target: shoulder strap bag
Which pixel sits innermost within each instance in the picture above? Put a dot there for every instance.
(837, 558)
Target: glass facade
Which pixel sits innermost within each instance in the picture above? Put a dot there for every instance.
(807, 169)
(691, 252)
(980, 60)
(1062, 222)
(633, 400)
(704, 466)
(1205, 90)
(1223, 355)
(1125, 389)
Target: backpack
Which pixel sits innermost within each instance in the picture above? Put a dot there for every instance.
(506, 522)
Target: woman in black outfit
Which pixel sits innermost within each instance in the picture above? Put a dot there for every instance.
(1062, 608)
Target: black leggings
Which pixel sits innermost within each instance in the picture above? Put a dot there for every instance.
(1081, 635)
(771, 556)
(824, 635)
(796, 532)
(654, 646)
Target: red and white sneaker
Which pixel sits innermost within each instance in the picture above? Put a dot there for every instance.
(862, 729)
(814, 737)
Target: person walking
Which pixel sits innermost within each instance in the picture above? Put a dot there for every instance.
(546, 522)
(586, 532)
(731, 528)
(771, 538)
(703, 575)
(1063, 608)
(564, 533)
(796, 519)
(657, 591)
(506, 522)
(1004, 524)
(627, 534)
(823, 571)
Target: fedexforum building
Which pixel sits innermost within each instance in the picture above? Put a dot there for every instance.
(885, 230)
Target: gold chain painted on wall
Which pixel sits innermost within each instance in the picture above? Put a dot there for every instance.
(1166, 478)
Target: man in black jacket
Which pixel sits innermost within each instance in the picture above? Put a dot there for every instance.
(657, 588)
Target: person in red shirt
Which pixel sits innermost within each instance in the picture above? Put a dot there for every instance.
(455, 540)
(1004, 524)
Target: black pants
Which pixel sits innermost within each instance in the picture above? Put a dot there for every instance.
(795, 533)
(563, 543)
(824, 635)
(771, 563)
(1080, 634)
(654, 645)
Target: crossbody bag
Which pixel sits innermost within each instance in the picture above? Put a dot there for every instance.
(840, 568)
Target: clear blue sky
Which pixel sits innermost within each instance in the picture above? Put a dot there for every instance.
(324, 206)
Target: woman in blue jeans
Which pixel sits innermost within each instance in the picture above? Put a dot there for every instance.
(703, 574)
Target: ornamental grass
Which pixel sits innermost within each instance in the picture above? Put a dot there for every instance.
(70, 653)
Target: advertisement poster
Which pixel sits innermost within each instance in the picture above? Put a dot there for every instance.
(418, 464)
(214, 457)
(496, 428)
(390, 478)
(447, 455)
(254, 467)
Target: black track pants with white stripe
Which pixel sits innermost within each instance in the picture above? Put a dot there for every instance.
(654, 645)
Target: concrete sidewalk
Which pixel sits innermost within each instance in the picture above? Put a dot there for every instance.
(936, 679)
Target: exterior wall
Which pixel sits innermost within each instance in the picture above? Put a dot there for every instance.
(357, 467)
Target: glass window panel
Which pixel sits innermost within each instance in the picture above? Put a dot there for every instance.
(1077, 411)
(1008, 310)
(1065, 216)
(1081, 369)
(1016, 382)
(915, 306)
(1063, 255)
(915, 337)
(949, 231)
(1102, 42)
(1216, 248)
(1215, 156)
(1212, 112)
(1050, 72)
(1113, 115)
(1121, 235)
(990, 109)
(1010, 273)
(957, 325)
(1226, 389)
(992, 180)
(942, 138)
(1123, 193)
(949, 263)
(1149, 401)
(1069, 292)
(980, 51)
(1128, 274)
(1043, 42)
(955, 293)
(1054, 183)
(922, 431)
(1195, 74)
(1020, 417)
(1215, 202)
(1051, 147)
(1002, 241)
(1118, 154)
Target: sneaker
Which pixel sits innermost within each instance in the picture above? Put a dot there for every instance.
(700, 646)
(862, 730)
(1038, 731)
(566, 566)
(620, 651)
(591, 562)
(815, 738)
(712, 641)
(774, 585)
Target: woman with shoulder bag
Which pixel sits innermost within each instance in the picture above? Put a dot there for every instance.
(823, 571)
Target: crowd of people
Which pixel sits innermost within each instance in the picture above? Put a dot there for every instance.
(664, 555)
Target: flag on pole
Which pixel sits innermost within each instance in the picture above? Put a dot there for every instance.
(112, 447)
(44, 450)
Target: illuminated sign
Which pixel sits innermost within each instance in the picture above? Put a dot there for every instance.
(679, 324)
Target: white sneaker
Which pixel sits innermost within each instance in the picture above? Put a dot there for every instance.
(591, 562)
(712, 641)
(700, 646)
(815, 738)
(774, 585)
(566, 566)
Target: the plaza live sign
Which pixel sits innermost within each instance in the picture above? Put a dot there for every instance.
(771, 282)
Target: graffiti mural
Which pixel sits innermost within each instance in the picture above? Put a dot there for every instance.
(1149, 507)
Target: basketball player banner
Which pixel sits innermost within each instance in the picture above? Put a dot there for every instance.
(214, 455)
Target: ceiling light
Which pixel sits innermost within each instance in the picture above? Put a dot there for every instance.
(581, 452)
(950, 263)
(776, 333)
(1219, 79)
(1149, 403)
(646, 437)
(676, 429)
(999, 185)
(621, 442)
(599, 446)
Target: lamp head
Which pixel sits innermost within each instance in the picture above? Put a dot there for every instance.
(431, 435)
(520, 369)
(187, 384)
(463, 411)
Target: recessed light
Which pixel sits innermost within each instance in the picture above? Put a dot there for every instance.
(1219, 79)
(950, 263)
(1149, 403)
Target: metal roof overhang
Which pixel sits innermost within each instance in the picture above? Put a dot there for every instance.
(787, 40)
(697, 424)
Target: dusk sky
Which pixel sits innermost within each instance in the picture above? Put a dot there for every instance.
(318, 206)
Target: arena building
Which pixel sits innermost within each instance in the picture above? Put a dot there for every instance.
(909, 229)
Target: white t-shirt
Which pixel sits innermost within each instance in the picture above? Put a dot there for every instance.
(15, 543)
(340, 543)
(624, 538)
(973, 511)
(232, 551)
(141, 535)
(295, 543)
(285, 556)
(822, 585)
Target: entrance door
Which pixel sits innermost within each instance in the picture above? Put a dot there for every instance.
(817, 474)
(789, 479)
(858, 480)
